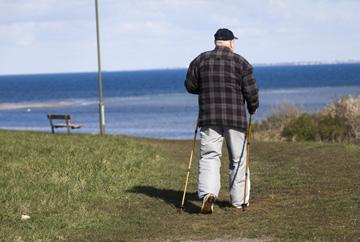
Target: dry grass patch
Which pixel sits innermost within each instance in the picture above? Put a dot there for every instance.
(337, 122)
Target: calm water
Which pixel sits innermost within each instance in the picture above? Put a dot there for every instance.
(155, 103)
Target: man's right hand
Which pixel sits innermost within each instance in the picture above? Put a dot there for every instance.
(252, 112)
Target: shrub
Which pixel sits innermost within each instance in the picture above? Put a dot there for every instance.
(339, 121)
(281, 115)
(315, 127)
(347, 109)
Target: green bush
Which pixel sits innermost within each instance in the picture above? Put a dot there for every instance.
(281, 115)
(312, 127)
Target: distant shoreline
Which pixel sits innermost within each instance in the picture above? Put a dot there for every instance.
(308, 63)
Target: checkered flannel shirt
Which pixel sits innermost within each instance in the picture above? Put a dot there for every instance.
(224, 81)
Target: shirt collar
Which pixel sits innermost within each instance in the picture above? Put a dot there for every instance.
(222, 48)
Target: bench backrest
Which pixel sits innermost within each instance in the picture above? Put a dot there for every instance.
(59, 116)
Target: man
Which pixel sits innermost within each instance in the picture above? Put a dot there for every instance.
(224, 81)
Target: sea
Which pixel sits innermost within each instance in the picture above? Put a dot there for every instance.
(154, 103)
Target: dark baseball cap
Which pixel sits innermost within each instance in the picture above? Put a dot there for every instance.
(224, 34)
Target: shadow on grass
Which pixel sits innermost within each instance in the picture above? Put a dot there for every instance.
(169, 196)
(174, 197)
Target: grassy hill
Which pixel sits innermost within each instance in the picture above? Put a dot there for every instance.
(90, 188)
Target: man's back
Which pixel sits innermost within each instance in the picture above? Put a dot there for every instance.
(223, 80)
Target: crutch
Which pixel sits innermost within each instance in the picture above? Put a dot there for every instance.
(189, 167)
(247, 163)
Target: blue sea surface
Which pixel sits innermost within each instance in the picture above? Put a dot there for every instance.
(154, 103)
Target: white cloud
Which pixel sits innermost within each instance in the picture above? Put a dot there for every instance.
(168, 33)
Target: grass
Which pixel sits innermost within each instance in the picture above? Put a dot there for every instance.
(90, 188)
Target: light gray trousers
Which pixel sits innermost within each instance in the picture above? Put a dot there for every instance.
(211, 139)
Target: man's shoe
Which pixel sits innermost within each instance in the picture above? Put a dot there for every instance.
(242, 207)
(208, 204)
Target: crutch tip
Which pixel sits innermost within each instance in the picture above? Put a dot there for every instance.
(180, 210)
(243, 206)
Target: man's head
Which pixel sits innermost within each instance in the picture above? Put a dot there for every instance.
(225, 38)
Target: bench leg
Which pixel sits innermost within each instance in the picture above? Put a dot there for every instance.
(52, 126)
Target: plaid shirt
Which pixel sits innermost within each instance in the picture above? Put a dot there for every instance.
(224, 81)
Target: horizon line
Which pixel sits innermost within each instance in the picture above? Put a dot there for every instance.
(259, 64)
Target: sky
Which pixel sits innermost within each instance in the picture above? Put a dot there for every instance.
(53, 36)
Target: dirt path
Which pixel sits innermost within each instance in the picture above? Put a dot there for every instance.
(231, 240)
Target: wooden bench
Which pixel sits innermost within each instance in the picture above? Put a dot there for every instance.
(67, 122)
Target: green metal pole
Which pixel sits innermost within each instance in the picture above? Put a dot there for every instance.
(101, 101)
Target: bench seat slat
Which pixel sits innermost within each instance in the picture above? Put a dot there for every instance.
(73, 126)
(59, 125)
